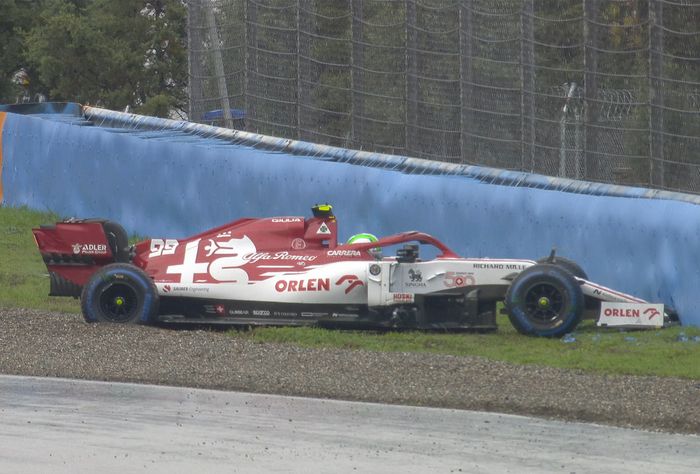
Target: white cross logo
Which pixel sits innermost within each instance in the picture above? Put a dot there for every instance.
(189, 267)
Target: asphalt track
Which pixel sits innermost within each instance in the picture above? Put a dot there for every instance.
(71, 426)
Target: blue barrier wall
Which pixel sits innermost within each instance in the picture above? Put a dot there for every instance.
(160, 186)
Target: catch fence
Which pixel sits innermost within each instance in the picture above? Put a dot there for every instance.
(599, 90)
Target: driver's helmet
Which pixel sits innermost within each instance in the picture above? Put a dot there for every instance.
(364, 238)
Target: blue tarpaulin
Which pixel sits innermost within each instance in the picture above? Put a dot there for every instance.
(166, 182)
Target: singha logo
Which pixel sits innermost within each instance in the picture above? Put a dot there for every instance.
(415, 275)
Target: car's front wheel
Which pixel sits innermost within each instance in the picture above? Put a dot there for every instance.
(544, 300)
(568, 265)
(119, 293)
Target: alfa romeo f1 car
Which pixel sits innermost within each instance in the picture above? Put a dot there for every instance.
(292, 271)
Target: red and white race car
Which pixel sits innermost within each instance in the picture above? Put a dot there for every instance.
(293, 271)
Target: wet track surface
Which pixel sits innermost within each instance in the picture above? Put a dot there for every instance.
(49, 344)
(70, 426)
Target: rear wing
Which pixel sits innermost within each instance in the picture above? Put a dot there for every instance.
(75, 249)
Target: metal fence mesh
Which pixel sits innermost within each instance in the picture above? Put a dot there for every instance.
(601, 90)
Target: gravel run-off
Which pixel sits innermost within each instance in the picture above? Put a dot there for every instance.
(41, 343)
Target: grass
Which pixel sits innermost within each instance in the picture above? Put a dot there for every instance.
(24, 280)
(670, 352)
(667, 352)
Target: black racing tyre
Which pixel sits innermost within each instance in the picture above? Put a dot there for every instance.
(119, 293)
(569, 265)
(544, 300)
(118, 240)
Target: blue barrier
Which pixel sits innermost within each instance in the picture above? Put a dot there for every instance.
(179, 185)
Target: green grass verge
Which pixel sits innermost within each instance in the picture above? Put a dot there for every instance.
(24, 281)
(667, 352)
(670, 352)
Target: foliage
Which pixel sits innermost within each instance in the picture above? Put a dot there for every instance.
(108, 53)
(16, 17)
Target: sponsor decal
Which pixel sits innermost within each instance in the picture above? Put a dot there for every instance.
(163, 247)
(90, 249)
(375, 269)
(344, 253)
(238, 312)
(261, 312)
(631, 314)
(324, 229)
(515, 266)
(344, 315)
(313, 315)
(256, 257)
(489, 266)
(286, 220)
(499, 266)
(352, 280)
(403, 297)
(310, 284)
(416, 278)
(286, 314)
(298, 244)
(184, 289)
(459, 279)
(217, 309)
(234, 253)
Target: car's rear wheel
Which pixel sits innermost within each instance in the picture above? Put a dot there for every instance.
(119, 293)
(544, 300)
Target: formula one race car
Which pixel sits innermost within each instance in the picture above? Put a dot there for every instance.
(292, 271)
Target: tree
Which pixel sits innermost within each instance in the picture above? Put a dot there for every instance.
(112, 53)
(17, 16)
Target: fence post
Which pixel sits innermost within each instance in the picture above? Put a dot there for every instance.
(465, 77)
(218, 64)
(356, 67)
(527, 84)
(656, 97)
(194, 61)
(298, 94)
(590, 86)
(411, 84)
(251, 20)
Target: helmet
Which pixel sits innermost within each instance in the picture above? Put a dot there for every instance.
(364, 238)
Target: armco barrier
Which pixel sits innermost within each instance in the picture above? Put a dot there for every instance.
(162, 182)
